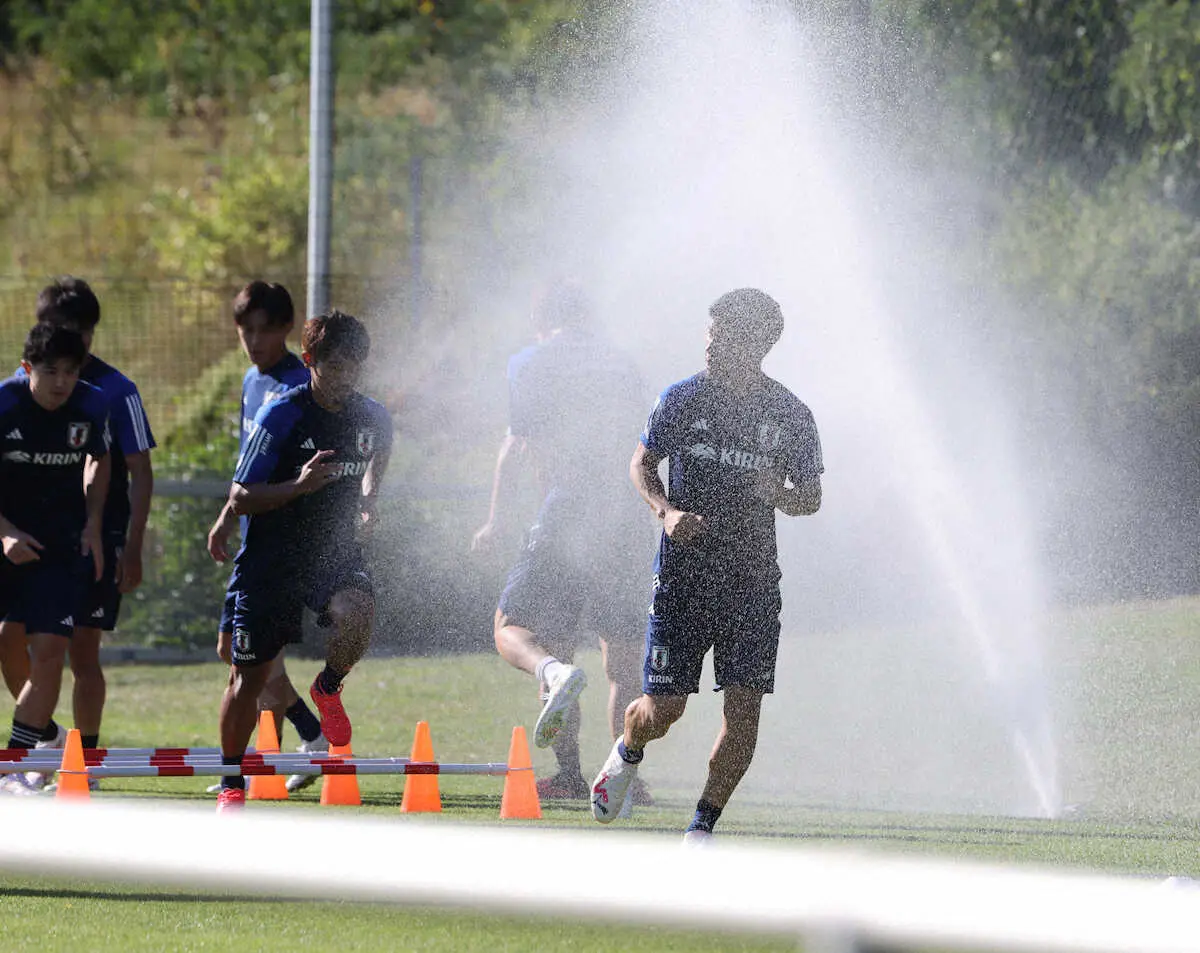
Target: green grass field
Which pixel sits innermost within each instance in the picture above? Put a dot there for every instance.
(1124, 687)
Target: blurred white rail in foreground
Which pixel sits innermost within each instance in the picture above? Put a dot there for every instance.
(833, 898)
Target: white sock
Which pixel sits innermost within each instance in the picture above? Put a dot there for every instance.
(548, 669)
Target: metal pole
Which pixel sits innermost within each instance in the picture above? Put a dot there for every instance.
(320, 154)
(416, 277)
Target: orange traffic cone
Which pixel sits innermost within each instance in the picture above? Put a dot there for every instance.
(72, 773)
(421, 790)
(267, 787)
(340, 788)
(520, 798)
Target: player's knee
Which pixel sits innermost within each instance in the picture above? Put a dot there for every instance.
(352, 609)
(87, 670)
(742, 709)
(656, 713)
(499, 624)
(247, 681)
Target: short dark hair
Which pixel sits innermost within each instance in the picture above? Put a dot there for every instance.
(69, 300)
(561, 303)
(48, 342)
(268, 297)
(336, 331)
(751, 314)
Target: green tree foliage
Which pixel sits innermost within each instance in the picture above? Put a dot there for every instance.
(181, 56)
(1044, 70)
(1090, 109)
(1156, 90)
(251, 220)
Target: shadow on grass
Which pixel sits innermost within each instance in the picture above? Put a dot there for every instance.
(117, 894)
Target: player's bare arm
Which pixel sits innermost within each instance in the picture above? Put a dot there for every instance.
(19, 546)
(316, 474)
(680, 525)
(141, 489)
(218, 536)
(504, 488)
(372, 480)
(798, 499)
(96, 474)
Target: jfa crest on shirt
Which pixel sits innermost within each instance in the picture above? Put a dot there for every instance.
(770, 437)
(366, 442)
(78, 433)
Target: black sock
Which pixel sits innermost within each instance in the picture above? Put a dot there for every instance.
(629, 755)
(330, 679)
(233, 780)
(301, 716)
(51, 732)
(707, 815)
(23, 735)
(90, 741)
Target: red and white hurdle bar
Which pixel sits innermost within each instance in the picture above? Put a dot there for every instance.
(206, 762)
(73, 764)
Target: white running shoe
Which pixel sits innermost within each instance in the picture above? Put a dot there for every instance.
(298, 782)
(610, 790)
(698, 840)
(18, 785)
(563, 694)
(36, 778)
(213, 788)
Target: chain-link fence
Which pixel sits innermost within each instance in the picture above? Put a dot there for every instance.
(177, 341)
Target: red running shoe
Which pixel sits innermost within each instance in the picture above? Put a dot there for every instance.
(335, 723)
(231, 800)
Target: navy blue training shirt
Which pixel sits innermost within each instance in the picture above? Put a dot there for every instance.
(262, 387)
(315, 526)
(129, 430)
(716, 441)
(578, 401)
(41, 462)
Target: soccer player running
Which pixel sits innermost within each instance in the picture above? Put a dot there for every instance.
(265, 317)
(308, 480)
(70, 303)
(54, 474)
(740, 446)
(572, 399)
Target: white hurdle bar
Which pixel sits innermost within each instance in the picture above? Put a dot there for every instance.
(331, 767)
(206, 762)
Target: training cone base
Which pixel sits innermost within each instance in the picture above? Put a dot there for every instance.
(267, 787)
(421, 790)
(340, 788)
(520, 798)
(72, 774)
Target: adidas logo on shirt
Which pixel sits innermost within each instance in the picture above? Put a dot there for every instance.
(69, 620)
(15, 434)
(99, 613)
(308, 445)
(701, 424)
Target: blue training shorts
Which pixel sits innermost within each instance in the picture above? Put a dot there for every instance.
(740, 625)
(558, 586)
(268, 609)
(45, 595)
(227, 607)
(102, 600)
